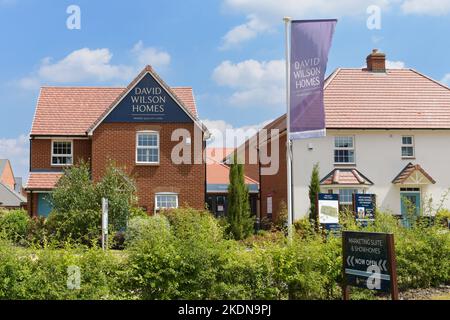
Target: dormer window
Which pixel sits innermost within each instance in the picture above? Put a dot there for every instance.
(62, 153)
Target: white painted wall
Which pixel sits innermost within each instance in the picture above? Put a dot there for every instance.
(378, 157)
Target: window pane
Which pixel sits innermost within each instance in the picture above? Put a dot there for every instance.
(147, 140)
(407, 152)
(147, 155)
(62, 148)
(344, 156)
(346, 195)
(166, 201)
(343, 142)
(62, 153)
(407, 140)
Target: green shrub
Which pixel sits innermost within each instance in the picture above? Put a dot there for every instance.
(120, 190)
(74, 225)
(75, 190)
(183, 254)
(442, 217)
(77, 202)
(281, 221)
(43, 274)
(37, 232)
(136, 212)
(14, 225)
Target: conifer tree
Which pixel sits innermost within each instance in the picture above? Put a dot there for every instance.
(314, 190)
(240, 221)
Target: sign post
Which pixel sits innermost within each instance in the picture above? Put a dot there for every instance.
(369, 262)
(328, 210)
(364, 206)
(104, 223)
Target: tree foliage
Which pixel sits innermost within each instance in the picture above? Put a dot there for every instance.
(77, 202)
(314, 190)
(240, 221)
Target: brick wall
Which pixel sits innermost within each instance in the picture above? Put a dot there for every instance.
(41, 153)
(251, 165)
(117, 142)
(275, 185)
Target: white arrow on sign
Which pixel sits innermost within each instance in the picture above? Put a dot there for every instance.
(350, 261)
(382, 265)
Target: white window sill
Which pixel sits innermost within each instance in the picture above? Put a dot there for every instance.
(345, 163)
(147, 163)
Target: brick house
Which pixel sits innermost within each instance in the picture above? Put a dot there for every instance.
(137, 127)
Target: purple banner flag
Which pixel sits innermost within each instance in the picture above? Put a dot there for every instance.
(310, 44)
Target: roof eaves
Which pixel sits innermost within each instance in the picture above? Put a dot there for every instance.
(35, 110)
(147, 70)
(15, 194)
(429, 78)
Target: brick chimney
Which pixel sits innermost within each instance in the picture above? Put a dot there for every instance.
(376, 61)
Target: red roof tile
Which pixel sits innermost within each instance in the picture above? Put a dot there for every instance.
(72, 111)
(218, 172)
(43, 180)
(345, 177)
(218, 154)
(407, 172)
(397, 99)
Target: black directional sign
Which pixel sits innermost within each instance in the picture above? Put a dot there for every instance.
(369, 260)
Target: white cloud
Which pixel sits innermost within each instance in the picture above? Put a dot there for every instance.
(254, 82)
(244, 32)
(225, 135)
(394, 64)
(83, 65)
(426, 7)
(150, 55)
(264, 15)
(269, 13)
(446, 79)
(17, 151)
(93, 65)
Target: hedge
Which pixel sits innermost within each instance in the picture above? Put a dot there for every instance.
(183, 254)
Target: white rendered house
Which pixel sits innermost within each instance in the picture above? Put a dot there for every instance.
(388, 133)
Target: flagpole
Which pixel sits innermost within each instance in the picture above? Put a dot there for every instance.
(287, 22)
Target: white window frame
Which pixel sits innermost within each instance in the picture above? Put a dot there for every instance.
(351, 200)
(61, 155)
(408, 145)
(165, 194)
(344, 148)
(148, 147)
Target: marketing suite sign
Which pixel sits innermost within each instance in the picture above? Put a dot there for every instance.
(369, 261)
(148, 102)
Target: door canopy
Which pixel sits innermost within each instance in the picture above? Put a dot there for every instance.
(413, 174)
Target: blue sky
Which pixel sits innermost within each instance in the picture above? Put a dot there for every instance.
(230, 51)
